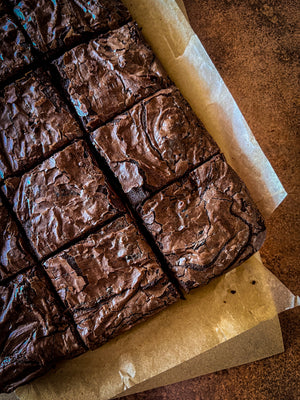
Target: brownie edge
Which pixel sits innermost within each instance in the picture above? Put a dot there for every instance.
(205, 223)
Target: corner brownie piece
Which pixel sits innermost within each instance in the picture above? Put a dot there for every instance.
(52, 24)
(61, 198)
(110, 74)
(155, 142)
(34, 122)
(205, 223)
(34, 331)
(13, 253)
(15, 53)
(110, 282)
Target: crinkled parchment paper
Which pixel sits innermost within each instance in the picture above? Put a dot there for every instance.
(179, 49)
(231, 321)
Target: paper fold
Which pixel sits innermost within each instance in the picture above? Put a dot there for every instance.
(189, 66)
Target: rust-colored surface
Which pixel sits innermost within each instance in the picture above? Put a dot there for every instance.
(253, 45)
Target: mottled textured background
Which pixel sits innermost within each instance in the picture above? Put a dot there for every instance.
(253, 45)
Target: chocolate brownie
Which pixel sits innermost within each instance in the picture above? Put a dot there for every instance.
(51, 24)
(61, 198)
(15, 53)
(34, 331)
(13, 253)
(110, 74)
(110, 281)
(205, 223)
(34, 122)
(155, 142)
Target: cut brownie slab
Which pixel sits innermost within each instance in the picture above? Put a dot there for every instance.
(155, 142)
(34, 331)
(205, 223)
(13, 253)
(110, 281)
(61, 198)
(15, 53)
(52, 24)
(110, 74)
(34, 122)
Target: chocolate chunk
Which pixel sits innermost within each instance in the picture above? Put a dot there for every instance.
(34, 122)
(110, 281)
(110, 74)
(34, 331)
(205, 223)
(155, 142)
(13, 253)
(51, 24)
(15, 53)
(61, 198)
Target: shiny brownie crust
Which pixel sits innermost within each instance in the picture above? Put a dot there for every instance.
(51, 25)
(205, 223)
(62, 198)
(154, 143)
(110, 74)
(34, 122)
(110, 281)
(34, 331)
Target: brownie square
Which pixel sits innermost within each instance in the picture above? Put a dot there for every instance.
(110, 282)
(205, 223)
(52, 24)
(110, 74)
(154, 143)
(34, 331)
(34, 122)
(15, 53)
(13, 253)
(61, 198)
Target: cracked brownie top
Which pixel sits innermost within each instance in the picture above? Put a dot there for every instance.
(110, 281)
(110, 74)
(61, 198)
(205, 223)
(52, 24)
(154, 143)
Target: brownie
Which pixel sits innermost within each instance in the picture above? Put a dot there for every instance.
(154, 143)
(110, 281)
(61, 198)
(205, 223)
(52, 24)
(34, 122)
(34, 331)
(15, 53)
(13, 252)
(110, 74)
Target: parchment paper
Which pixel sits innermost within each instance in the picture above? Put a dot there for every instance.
(179, 49)
(214, 328)
(187, 330)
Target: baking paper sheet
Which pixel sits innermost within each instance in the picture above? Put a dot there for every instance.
(189, 329)
(179, 49)
(214, 328)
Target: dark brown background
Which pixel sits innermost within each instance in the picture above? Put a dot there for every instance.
(253, 45)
